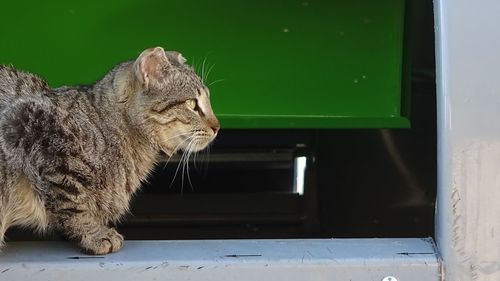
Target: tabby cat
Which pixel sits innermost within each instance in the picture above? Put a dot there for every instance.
(71, 158)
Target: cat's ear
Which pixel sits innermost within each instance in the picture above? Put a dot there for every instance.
(151, 65)
(176, 57)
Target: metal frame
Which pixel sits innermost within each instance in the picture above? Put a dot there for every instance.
(468, 92)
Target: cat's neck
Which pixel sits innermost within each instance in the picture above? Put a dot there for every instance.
(117, 84)
(115, 89)
(140, 158)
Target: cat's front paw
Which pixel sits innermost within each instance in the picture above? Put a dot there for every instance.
(103, 242)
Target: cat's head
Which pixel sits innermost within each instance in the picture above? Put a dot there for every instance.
(174, 102)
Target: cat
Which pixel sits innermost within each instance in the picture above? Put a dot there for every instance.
(72, 157)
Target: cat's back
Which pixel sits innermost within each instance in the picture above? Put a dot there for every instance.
(15, 84)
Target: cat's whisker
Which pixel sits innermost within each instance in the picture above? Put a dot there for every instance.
(198, 68)
(183, 172)
(195, 153)
(176, 136)
(216, 81)
(185, 164)
(207, 154)
(209, 70)
(183, 155)
(179, 135)
(203, 69)
(176, 171)
(175, 149)
(194, 159)
(179, 164)
(193, 66)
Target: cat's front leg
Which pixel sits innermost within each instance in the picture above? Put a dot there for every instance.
(93, 237)
(102, 241)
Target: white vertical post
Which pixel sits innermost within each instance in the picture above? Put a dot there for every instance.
(468, 93)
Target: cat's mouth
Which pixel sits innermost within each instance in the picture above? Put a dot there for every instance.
(195, 142)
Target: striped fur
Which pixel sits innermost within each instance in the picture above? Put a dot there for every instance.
(72, 157)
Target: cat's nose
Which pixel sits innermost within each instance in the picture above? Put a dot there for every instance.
(214, 125)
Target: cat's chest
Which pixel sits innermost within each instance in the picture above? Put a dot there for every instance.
(113, 200)
(124, 168)
(125, 183)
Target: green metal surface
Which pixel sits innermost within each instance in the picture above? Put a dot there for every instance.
(275, 64)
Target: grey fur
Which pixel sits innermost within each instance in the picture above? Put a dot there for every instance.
(72, 157)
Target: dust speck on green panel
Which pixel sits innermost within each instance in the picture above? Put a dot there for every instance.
(269, 61)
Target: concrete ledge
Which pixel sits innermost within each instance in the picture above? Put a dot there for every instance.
(287, 260)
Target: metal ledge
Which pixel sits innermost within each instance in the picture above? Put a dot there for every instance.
(310, 259)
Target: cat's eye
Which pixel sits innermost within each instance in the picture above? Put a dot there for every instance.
(191, 104)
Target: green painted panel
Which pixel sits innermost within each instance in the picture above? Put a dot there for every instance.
(274, 64)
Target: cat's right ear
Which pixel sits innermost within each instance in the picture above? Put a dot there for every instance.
(150, 66)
